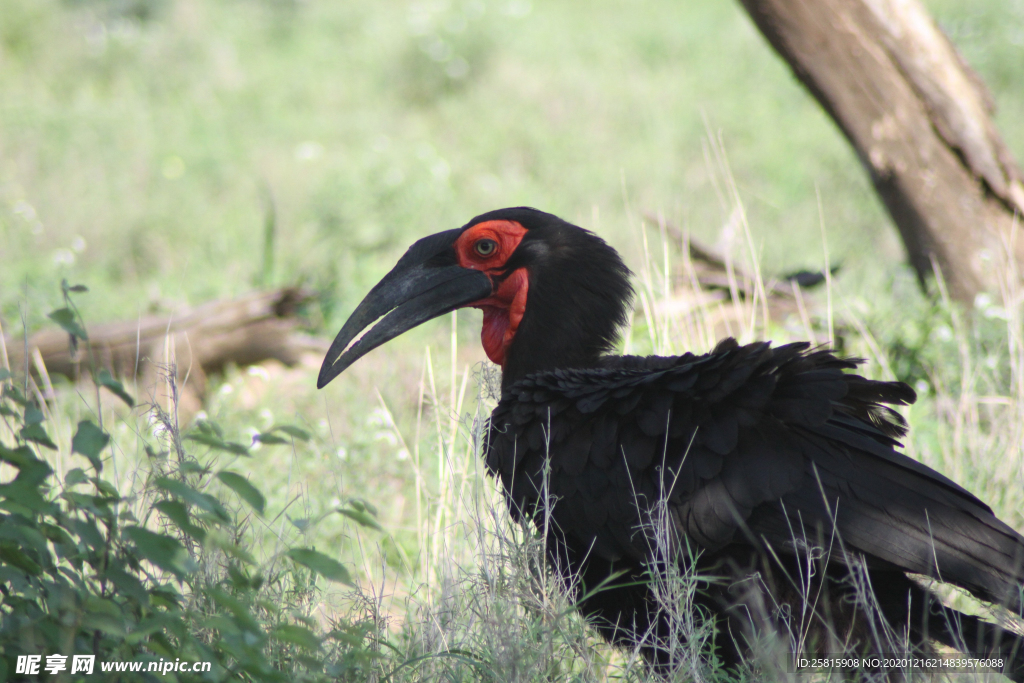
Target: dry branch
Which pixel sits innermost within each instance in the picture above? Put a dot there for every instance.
(725, 292)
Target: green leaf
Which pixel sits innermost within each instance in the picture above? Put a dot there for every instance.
(159, 645)
(301, 523)
(32, 473)
(65, 317)
(87, 531)
(75, 476)
(105, 380)
(111, 625)
(363, 505)
(178, 513)
(95, 603)
(24, 536)
(14, 556)
(245, 490)
(216, 442)
(203, 501)
(127, 584)
(222, 542)
(106, 488)
(210, 427)
(361, 518)
(270, 439)
(294, 432)
(21, 457)
(12, 393)
(297, 635)
(240, 579)
(271, 606)
(56, 534)
(33, 415)
(5, 374)
(23, 497)
(160, 549)
(36, 433)
(97, 505)
(149, 626)
(322, 564)
(192, 467)
(90, 441)
(242, 615)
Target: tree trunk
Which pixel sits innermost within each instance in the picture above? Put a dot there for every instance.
(920, 121)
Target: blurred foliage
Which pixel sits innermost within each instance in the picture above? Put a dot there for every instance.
(137, 136)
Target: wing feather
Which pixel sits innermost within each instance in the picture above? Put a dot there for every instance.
(749, 444)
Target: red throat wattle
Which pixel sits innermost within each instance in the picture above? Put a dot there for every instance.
(503, 310)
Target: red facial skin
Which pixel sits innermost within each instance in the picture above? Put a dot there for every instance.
(504, 309)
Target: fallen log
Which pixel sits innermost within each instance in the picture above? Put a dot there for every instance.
(189, 344)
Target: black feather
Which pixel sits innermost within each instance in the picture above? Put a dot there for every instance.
(766, 447)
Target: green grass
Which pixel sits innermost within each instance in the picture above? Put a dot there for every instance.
(139, 140)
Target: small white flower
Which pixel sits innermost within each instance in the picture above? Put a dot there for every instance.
(309, 151)
(387, 437)
(517, 9)
(25, 210)
(257, 371)
(440, 170)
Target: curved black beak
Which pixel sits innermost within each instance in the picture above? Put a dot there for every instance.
(425, 283)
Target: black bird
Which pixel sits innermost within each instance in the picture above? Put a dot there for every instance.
(777, 469)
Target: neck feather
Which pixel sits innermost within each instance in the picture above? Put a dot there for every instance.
(579, 299)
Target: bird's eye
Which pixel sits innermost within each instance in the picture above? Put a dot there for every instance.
(485, 247)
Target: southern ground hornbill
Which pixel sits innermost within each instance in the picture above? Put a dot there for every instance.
(777, 470)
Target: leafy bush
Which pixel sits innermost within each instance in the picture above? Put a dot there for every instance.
(166, 572)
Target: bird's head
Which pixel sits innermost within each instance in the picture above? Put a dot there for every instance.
(553, 295)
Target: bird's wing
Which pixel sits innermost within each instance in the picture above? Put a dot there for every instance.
(745, 444)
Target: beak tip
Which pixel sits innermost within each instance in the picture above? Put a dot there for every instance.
(327, 373)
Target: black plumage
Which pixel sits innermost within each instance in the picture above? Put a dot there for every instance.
(755, 456)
